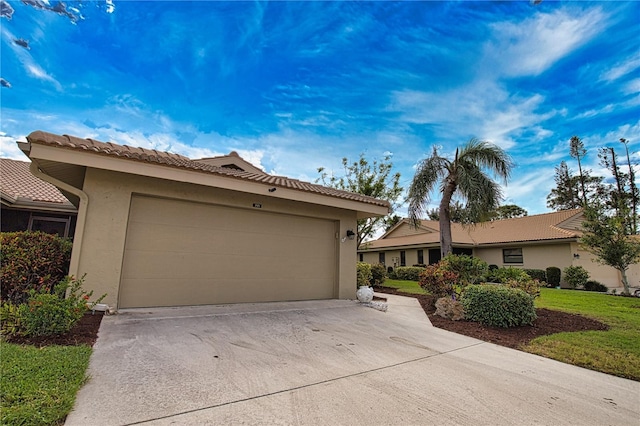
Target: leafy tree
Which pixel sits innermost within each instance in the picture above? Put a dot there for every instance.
(607, 237)
(371, 179)
(633, 190)
(509, 211)
(458, 212)
(623, 194)
(578, 151)
(567, 193)
(463, 176)
(391, 221)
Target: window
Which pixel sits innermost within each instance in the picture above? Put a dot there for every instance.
(381, 258)
(403, 258)
(361, 257)
(420, 257)
(50, 225)
(513, 255)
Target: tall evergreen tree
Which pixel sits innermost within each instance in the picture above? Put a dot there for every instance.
(578, 151)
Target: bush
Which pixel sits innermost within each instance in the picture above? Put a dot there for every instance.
(502, 275)
(537, 274)
(470, 270)
(46, 313)
(498, 306)
(379, 274)
(528, 285)
(31, 261)
(10, 323)
(576, 276)
(408, 273)
(593, 285)
(364, 274)
(553, 276)
(438, 282)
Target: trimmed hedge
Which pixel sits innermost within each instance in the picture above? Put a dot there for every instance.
(553, 276)
(576, 276)
(498, 306)
(31, 261)
(537, 274)
(408, 273)
(593, 285)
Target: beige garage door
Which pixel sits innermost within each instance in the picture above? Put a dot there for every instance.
(184, 253)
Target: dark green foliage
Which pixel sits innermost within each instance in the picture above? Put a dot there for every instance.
(498, 306)
(502, 275)
(553, 276)
(537, 274)
(469, 269)
(379, 274)
(576, 276)
(408, 273)
(31, 261)
(593, 285)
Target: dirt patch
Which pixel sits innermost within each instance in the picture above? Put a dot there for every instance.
(548, 322)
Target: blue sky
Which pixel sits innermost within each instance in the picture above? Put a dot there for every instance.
(293, 86)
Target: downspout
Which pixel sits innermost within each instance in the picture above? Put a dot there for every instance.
(80, 221)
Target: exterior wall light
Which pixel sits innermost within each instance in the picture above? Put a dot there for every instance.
(576, 256)
(350, 234)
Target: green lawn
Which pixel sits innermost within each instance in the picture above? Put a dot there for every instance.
(405, 286)
(616, 351)
(39, 386)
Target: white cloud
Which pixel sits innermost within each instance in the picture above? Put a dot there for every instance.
(9, 148)
(621, 69)
(530, 47)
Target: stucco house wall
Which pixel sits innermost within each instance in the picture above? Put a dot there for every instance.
(107, 217)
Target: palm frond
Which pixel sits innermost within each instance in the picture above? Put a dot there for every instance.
(487, 156)
(429, 172)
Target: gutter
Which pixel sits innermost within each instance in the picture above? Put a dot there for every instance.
(82, 214)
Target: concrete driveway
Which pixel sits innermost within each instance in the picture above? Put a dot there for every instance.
(329, 363)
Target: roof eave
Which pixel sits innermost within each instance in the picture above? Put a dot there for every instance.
(162, 171)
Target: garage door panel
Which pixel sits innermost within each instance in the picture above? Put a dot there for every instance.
(183, 253)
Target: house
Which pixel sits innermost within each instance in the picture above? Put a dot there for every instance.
(31, 204)
(531, 242)
(159, 229)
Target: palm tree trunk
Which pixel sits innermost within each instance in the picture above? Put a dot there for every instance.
(446, 244)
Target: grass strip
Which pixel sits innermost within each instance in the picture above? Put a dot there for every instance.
(38, 386)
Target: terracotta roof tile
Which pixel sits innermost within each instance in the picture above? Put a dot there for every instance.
(17, 182)
(179, 161)
(542, 227)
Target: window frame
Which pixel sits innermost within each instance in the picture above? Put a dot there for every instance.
(510, 256)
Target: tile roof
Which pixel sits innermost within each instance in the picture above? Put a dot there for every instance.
(542, 227)
(178, 161)
(17, 183)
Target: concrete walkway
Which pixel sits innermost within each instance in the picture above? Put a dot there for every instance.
(331, 362)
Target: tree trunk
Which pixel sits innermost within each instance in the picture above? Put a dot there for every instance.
(446, 244)
(625, 281)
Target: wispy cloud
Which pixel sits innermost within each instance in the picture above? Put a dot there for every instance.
(530, 47)
(621, 69)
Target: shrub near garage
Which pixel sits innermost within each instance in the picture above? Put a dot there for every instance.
(498, 306)
(364, 275)
(378, 274)
(31, 261)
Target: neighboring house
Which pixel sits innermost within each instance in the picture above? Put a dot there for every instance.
(532, 242)
(160, 229)
(31, 204)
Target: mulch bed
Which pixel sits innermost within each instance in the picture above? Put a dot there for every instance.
(85, 332)
(548, 322)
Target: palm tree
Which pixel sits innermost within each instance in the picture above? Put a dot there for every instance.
(463, 176)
